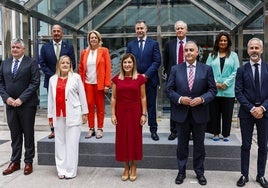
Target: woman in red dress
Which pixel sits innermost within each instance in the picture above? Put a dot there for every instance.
(128, 111)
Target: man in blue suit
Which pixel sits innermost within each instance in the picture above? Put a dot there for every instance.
(191, 87)
(49, 55)
(148, 58)
(251, 91)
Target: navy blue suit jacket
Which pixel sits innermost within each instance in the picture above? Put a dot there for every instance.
(204, 86)
(48, 59)
(245, 89)
(150, 60)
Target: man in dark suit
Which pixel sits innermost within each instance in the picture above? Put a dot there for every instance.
(49, 55)
(19, 82)
(148, 58)
(171, 57)
(251, 91)
(190, 88)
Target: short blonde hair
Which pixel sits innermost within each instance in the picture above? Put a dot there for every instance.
(59, 62)
(98, 36)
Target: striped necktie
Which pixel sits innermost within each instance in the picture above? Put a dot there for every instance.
(191, 77)
(15, 68)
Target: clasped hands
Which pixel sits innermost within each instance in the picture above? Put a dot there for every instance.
(221, 86)
(14, 102)
(257, 112)
(188, 101)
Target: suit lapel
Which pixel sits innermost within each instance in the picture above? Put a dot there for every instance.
(22, 64)
(52, 51)
(99, 53)
(174, 50)
(263, 73)
(9, 66)
(196, 75)
(250, 73)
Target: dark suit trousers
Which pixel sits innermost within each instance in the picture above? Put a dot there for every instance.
(247, 127)
(173, 128)
(21, 124)
(198, 132)
(221, 114)
(151, 94)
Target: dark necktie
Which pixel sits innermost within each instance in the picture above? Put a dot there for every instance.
(15, 68)
(140, 46)
(257, 84)
(180, 53)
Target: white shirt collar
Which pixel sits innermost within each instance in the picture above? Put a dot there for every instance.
(54, 43)
(144, 38)
(252, 63)
(20, 59)
(188, 64)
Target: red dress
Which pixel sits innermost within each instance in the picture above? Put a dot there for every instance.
(128, 109)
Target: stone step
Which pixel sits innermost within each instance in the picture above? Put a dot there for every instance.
(220, 156)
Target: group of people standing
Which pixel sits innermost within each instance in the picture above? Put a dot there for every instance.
(201, 97)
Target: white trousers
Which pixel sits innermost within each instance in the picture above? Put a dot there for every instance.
(66, 147)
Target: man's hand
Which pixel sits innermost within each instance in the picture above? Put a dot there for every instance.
(257, 112)
(196, 101)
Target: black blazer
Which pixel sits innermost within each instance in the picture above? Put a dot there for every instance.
(24, 85)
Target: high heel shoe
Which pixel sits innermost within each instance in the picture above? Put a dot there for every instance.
(132, 178)
(91, 133)
(125, 175)
(133, 174)
(124, 178)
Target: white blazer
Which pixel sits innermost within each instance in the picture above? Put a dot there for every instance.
(75, 98)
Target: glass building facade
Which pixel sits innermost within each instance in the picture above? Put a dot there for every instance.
(115, 20)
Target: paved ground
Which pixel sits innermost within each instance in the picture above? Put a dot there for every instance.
(45, 176)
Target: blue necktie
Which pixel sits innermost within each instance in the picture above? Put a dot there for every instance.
(15, 68)
(140, 46)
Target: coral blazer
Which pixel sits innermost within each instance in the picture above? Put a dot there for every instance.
(103, 67)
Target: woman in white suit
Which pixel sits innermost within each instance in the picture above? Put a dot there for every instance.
(67, 110)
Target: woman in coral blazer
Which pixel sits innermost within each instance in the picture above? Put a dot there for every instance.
(95, 71)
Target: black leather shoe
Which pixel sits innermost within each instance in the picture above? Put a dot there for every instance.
(154, 136)
(262, 181)
(242, 181)
(202, 180)
(180, 177)
(172, 136)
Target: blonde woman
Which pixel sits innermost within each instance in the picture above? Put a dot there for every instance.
(95, 71)
(67, 110)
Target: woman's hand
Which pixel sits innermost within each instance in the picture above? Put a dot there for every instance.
(143, 119)
(84, 118)
(106, 89)
(114, 120)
